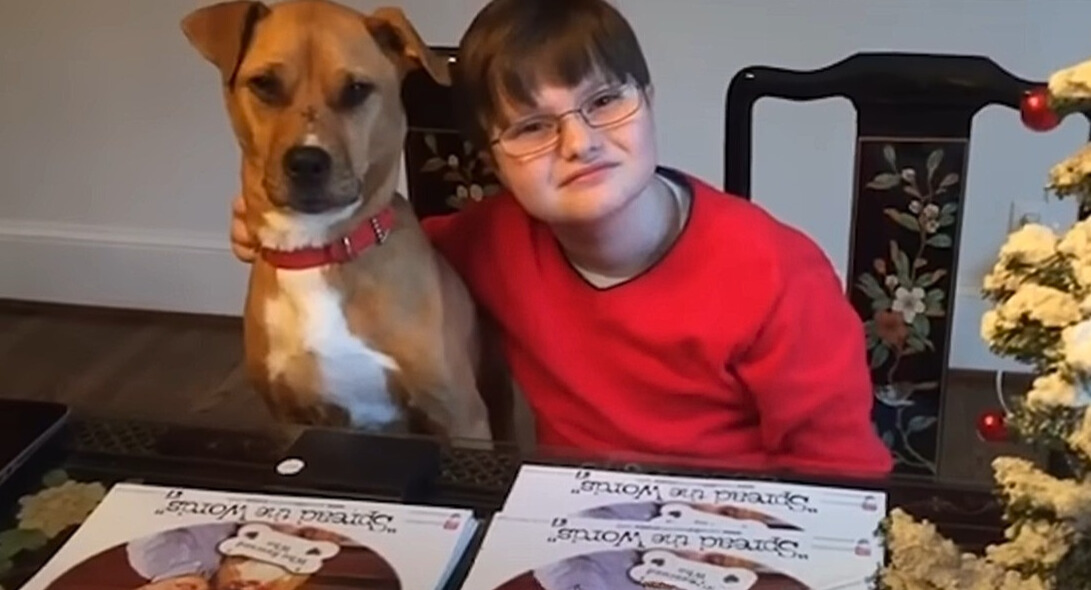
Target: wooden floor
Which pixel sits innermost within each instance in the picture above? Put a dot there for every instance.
(188, 369)
(128, 365)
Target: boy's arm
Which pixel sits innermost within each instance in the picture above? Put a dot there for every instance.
(810, 377)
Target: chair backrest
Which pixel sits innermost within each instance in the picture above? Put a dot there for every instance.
(443, 172)
(914, 113)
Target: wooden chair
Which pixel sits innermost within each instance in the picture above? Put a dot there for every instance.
(914, 114)
(443, 173)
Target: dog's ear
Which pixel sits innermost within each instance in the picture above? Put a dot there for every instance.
(397, 36)
(221, 32)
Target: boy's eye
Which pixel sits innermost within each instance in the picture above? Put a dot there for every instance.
(603, 100)
(530, 128)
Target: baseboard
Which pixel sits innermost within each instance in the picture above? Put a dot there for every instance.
(120, 267)
(197, 273)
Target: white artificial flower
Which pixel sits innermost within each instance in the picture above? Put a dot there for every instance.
(1053, 389)
(1077, 241)
(1001, 279)
(1081, 270)
(1071, 172)
(992, 324)
(1071, 83)
(1037, 541)
(1033, 244)
(1051, 307)
(1023, 483)
(1080, 438)
(1076, 342)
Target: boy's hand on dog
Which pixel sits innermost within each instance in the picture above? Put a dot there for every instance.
(242, 243)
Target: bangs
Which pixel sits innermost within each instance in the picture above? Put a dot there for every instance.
(515, 47)
(518, 75)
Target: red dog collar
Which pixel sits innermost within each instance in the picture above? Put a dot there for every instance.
(373, 230)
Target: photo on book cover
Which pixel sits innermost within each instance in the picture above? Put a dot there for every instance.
(687, 514)
(579, 553)
(823, 510)
(662, 569)
(233, 556)
(143, 537)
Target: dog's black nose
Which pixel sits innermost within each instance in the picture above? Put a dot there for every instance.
(307, 165)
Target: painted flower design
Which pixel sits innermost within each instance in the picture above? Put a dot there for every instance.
(468, 176)
(56, 508)
(907, 292)
(891, 328)
(894, 394)
(930, 218)
(909, 303)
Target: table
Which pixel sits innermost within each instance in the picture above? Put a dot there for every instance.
(41, 506)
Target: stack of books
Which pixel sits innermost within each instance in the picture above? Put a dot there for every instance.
(560, 529)
(570, 529)
(156, 538)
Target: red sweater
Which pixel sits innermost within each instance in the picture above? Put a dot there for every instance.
(738, 346)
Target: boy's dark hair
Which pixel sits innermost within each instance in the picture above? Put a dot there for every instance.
(513, 46)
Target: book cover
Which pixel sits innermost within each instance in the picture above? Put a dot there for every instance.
(158, 538)
(550, 491)
(573, 553)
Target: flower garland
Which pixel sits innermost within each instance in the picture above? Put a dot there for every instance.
(1040, 293)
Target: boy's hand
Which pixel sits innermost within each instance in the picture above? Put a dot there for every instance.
(242, 243)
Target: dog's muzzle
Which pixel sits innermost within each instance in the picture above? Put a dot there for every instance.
(308, 167)
(308, 170)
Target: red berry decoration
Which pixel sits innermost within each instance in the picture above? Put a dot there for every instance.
(992, 426)
(1035, 112)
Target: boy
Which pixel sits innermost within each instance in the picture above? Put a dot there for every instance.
(642, 310)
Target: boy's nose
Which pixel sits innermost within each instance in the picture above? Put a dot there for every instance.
(577, 137)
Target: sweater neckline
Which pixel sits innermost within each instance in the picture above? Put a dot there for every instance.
(667, 259)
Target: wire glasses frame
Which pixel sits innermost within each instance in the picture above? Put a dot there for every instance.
(539, 133)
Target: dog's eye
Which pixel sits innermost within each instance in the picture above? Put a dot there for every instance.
(354, 94)
(266, 87)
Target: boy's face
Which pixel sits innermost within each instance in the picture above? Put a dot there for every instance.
(549, 184)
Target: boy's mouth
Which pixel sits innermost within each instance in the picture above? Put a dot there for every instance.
(587, 173)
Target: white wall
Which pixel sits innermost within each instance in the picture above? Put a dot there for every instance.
(117, 165)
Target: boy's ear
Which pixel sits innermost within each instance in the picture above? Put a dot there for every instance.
(397, 36)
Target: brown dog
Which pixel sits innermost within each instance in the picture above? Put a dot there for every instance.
(351, 318)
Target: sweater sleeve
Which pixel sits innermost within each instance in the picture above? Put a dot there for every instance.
(808, 372)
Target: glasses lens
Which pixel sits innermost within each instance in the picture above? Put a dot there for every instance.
(610, 106)
(528, 136)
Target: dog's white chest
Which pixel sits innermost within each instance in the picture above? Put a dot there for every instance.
(312, 349)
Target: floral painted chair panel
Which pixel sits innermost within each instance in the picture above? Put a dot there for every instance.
(914, 114)
(443, 172)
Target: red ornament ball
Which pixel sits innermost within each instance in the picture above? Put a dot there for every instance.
(1035, 112)
(992, 426)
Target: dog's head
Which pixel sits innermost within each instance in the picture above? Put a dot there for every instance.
(313, 91)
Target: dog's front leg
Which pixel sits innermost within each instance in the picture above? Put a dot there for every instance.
(445, 408)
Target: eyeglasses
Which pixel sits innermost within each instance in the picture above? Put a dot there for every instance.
(541, 132)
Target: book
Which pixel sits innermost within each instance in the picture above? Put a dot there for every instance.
(567, 528)
(579, 553)
(160, 538)
(542, 490)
